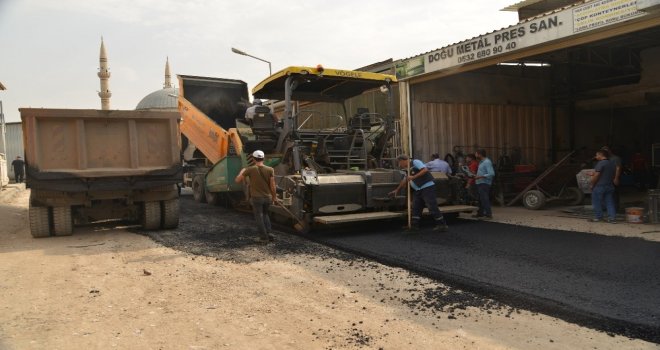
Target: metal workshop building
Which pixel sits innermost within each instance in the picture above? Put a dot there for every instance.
(568, 76)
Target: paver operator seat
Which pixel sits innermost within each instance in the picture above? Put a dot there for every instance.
(265, 129)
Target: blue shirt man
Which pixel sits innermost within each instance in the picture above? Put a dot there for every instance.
(484, 179)
(438, 165)
(485, 171)
(602, 187)
(421, 181)
(417, 166)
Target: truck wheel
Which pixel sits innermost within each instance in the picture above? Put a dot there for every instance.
(170, 213)
(198, 189)
(39, 225)
(575, 196)
(534, 200)
(62, 224)
(151, 215)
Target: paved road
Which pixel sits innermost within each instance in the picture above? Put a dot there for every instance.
(609, 283)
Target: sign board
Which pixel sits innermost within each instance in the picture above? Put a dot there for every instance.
(558, 25)
(648, 5)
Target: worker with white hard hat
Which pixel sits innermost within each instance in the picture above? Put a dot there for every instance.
(261, 181)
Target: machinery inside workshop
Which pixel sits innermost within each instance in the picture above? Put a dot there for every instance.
(607, 93)
(532, 112)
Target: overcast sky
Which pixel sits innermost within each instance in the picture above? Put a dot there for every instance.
(49, 49)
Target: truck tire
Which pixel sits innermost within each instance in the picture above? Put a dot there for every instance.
(575, 196)
(39, 222)
(62, 223)
(151, 215)
(170, 213)
(533, 199)
(199, 189)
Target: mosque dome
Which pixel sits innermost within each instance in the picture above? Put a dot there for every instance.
(160, 99)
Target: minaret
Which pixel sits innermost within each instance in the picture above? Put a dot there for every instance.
(168, 76)
(104, 75)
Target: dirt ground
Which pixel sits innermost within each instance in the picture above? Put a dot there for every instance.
(109, 287)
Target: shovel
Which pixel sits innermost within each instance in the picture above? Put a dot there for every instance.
(300, 226)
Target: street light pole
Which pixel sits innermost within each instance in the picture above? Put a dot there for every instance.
(237, 51)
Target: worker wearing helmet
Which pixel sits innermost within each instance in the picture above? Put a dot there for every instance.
(262, 191)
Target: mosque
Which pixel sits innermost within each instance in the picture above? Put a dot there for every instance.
(162, 99)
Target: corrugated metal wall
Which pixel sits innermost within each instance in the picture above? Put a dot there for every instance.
(14, 138)
(438, 127)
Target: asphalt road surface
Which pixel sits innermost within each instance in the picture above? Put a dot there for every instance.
(603, 282)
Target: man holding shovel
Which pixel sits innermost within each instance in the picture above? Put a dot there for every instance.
(422, 183)
(261, 181)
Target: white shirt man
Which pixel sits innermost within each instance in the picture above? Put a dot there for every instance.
(251, 111)
(439, 165)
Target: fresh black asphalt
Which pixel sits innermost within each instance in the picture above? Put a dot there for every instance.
(604, 282)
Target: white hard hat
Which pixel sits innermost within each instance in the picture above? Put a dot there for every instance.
(258, 154)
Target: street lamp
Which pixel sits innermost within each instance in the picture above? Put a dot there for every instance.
(235, 50)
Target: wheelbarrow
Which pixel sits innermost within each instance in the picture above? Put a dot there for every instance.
(554, 184)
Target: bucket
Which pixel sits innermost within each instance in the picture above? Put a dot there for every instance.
(634, 215)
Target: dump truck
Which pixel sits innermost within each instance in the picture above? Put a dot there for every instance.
(337, 173)
(85, 165)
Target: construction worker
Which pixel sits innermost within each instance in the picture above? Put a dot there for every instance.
(484, 180)
(617, 175)
(19, 169)
(421, 181)
(602, 187)
(472, 168)
(438, 165)
(261, 179)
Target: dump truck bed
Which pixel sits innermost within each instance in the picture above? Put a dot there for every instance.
(86, 165)
(85, 143)
(209, 108)
(223, 100)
